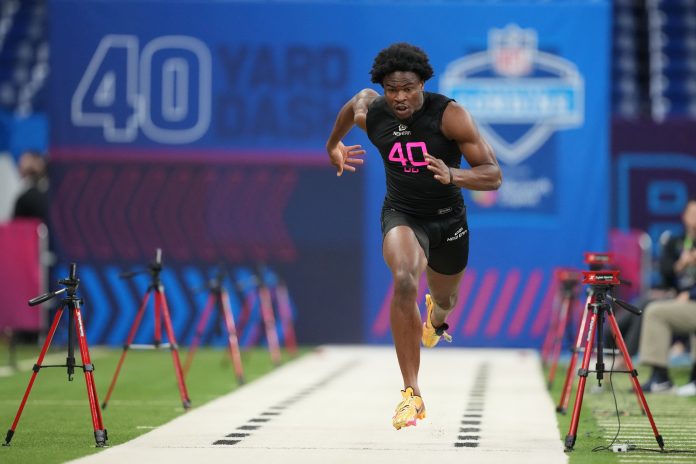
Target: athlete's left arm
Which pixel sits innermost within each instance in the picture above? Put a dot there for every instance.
(485, 174)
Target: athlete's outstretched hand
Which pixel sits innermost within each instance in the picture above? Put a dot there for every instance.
(344, 157)
(440, 170)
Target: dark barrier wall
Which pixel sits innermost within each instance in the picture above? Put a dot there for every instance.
(199, 127)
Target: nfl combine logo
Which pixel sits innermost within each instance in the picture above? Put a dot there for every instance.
(518, 94)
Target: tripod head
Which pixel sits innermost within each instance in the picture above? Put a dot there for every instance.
(71, 283)
(154, 269)
(569, 279)
(73, 302)
(215, 283)
(601, 284)
(265, 275)
(246, 282)
(598, 261)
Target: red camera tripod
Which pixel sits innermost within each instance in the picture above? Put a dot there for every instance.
(601, 283)
(161, 313)
(595, 261)
(75, 329)
(285, 312)
(254, 292)
(560, 320)
(219, 299)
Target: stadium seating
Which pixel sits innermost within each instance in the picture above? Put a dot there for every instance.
(24, 55)
(653, 63)
(654, 59)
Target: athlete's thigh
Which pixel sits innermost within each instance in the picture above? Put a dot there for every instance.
(402, 251)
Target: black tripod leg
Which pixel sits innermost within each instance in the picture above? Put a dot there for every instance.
(70, 360)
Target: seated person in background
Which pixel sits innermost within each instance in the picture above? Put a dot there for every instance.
(666, 318)
(673, 276)
(32, 201)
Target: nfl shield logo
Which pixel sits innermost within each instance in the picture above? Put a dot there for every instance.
(512, 49)
(518, 94)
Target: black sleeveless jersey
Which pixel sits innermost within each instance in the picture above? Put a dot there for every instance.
(411, 187)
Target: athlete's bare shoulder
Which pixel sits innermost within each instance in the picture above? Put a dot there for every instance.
(361, 104)
(457, 123)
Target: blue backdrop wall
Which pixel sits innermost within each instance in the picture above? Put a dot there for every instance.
(199, 127)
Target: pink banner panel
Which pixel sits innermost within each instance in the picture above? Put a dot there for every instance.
(20, 274)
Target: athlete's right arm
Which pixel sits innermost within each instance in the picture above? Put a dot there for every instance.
(353, 113)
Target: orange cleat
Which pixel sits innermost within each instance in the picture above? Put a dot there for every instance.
(431, 335)
(409, 410)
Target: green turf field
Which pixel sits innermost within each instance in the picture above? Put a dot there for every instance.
(598, 425)
(56, 424)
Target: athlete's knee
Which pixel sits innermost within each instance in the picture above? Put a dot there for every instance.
(445, 302)
(405, 282)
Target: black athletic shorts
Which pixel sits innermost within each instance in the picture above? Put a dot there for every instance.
(445, 240)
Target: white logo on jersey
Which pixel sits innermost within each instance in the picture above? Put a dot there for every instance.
(402, 130)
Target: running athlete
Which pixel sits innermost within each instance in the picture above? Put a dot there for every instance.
(421, 137)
